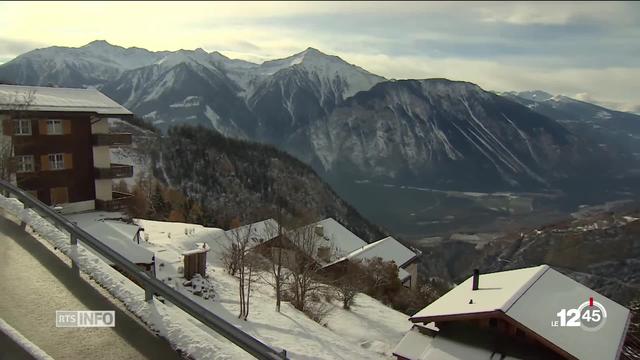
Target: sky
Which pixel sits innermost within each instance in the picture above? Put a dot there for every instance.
(586, 50)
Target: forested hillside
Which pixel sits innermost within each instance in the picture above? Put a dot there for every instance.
(207, 178)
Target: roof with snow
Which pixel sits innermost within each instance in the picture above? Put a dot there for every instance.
(117, 235)
(259, 232)
(533, 297)
(388, 249)
(341, 239)
(35, 98)
(416, 345)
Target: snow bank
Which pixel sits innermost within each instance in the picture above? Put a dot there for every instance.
(369, 331)
(29, 347)
(180, 329)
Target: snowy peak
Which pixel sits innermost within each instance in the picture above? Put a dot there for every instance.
(533, 95)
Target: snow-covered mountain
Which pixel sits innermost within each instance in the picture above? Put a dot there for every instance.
(336, 116)
(615, 131)
(443, 132)
(91, 65)
(303, 88)
(236, 97)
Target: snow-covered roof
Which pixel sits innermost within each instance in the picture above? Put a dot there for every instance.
(117, 235)
(199, 249)
(417, 346)
(260, 231)
(389, 249)
(342, 240)
(59, 99)
(533, 297)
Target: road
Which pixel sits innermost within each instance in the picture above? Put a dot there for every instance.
(34, 283)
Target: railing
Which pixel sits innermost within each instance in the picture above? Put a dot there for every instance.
(112, 139)
(119, 202)
(115, 171)
(151, 285)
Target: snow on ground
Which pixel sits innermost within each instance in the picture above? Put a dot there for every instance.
(180, 329)
(29, 347)
(369, 330)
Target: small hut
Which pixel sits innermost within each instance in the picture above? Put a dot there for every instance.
(195, 261)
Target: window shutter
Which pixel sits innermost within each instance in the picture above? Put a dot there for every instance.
(42, 127)
(44, 162)
(68, 161)
(66, 127)
(7, 126)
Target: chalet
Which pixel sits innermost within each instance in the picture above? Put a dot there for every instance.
(336, 240)
(258, 232)
(517, 314)
(388, 249)
(59, 142)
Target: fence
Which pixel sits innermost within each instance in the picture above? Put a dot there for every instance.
(151, 285)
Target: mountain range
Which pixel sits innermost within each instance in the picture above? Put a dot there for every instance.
(355, 127)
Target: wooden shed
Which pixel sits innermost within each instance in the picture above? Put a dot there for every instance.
(195, 261)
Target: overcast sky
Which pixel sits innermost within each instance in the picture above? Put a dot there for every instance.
(586, 50)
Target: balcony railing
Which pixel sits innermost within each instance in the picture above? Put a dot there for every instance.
(120, 202)
(116, 171)
(112, 139)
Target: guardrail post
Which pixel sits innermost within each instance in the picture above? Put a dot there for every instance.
(73, 239)
(148, 293)
(23, 224)
(148, 289)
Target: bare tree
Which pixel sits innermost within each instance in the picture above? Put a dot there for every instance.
(350, 283)
(15, 110)
(241, 261)
(304, 279)
(275, 274)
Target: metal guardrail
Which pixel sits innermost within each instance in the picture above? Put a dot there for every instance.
(151, 285)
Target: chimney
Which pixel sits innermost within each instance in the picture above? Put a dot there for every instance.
(319, 230)
(476, 279)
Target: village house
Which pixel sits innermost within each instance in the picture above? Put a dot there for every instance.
(387, 249)
(517, 314)
(336, 246)
(59, 141)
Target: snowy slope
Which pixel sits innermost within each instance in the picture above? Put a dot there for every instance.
(369, 331)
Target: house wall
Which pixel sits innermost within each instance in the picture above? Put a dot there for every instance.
(412, 269)
(77, 177)
(100, 126)
(101, 156)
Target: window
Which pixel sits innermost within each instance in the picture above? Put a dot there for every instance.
(54, 127)
(24, 163)
(22, 127)
(56, 161)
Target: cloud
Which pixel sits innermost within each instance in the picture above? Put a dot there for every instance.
(561, 47)
(10, 48)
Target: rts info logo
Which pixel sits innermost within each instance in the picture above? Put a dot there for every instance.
(590, 316)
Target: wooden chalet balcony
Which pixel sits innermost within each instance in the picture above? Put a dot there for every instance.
(120, 202)
(112, 139)
(116, 171)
